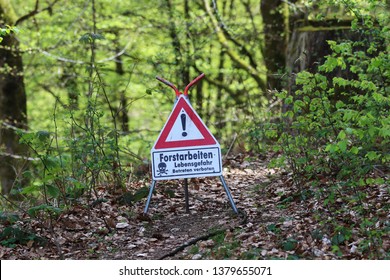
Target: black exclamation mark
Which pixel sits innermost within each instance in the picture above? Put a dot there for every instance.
(183, 124)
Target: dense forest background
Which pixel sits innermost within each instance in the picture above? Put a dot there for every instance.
(302, 85)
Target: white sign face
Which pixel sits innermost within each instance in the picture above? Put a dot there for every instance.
(184, 129)
(185, 147)
(186, 163)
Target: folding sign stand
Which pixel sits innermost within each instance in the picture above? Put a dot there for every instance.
(185, 147)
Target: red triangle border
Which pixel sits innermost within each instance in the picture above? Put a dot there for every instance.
(208, 138)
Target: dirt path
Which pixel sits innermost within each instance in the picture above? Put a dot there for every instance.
(171, 228)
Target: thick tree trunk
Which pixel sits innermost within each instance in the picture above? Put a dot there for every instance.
(308, 46)
(13, 109)
(274, 42)
(13, 113)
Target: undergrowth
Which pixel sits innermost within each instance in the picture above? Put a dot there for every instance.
(334, 138)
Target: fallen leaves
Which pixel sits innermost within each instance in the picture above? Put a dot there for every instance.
(121, 225)
(278, 223)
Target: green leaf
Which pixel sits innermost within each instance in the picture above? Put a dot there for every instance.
(33, 211)
(303, 77)
(342, 135)
(349, 130)
(26, 137)
(53, 191)
(31, 189)
(298, 105)
(290, 244)
(288, 100)
(329, 65)
(281, 94)
(372, 155)
(273, 228)
(372, 131)
(368, 85)
(288, 114)
(86, 38)
(51, 162)
(340, 81)
(141, 194)
(354, 150)
(350, 114)
(342, 145)
(338, 239)
(332, 148)
(341, 63)
(43, 135)
(97, 36)
(331, 44)
(384, 132)
(340, 104)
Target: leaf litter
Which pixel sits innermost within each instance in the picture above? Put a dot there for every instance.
(274, 222)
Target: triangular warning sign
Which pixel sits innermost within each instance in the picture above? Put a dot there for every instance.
(184, 128)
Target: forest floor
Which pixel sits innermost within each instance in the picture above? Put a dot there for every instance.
(274, 222)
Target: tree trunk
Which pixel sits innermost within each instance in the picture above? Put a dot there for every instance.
(274, 42)
(177, 48)
(220, 111)
(308, 45)
(69, 81)
(122, 110)
(13, 109)
(187, 62)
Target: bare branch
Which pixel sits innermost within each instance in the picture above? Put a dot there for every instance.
(36, 11)
(18, 156)
(47, 88)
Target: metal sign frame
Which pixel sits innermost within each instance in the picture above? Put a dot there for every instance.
(185, 150)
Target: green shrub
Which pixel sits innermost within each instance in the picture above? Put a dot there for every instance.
(335, 134)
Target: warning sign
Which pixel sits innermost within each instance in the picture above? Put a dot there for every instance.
(184, 128)
(185, 147)
(186, 163)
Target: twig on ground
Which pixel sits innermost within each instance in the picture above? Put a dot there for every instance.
(192, 242)
(243, 217)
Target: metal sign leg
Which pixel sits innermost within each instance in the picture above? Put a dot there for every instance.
(186, 195)
(149, 196)
(229, 194)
